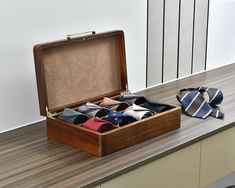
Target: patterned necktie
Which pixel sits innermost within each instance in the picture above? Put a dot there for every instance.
(215, 95)
(93, 110)
(119, 118)
(113, 104)
(195, 105)
(132, 99)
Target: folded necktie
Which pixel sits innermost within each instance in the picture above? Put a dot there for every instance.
(215, 95)
(119, 118)
(93, 110)
(98, 124)
(138, 112)
(132, 99)
(113, 104)
(195, 105)
(73, 116)
(156, 106)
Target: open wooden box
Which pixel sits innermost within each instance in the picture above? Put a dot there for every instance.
(87, 68)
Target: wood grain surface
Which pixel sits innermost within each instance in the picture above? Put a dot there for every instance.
(28, 159)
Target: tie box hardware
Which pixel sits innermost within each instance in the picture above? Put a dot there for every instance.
(86, 68)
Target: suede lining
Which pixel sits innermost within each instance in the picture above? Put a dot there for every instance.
(81, 70)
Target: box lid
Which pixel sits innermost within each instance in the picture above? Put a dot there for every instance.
(71, 72)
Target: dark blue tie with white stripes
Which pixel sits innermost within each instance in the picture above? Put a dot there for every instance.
(195, 105)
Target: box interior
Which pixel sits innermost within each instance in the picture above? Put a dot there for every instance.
(80, 126)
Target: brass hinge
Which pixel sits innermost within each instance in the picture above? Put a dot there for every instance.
(50, 114)
(127, 91)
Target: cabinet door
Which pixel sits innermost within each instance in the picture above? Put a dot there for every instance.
(179, 170)
(217, 156)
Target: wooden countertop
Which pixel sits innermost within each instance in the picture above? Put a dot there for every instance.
(28, 159)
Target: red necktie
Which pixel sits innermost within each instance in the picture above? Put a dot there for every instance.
(98, 124)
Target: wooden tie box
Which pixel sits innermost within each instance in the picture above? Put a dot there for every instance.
(88, 68)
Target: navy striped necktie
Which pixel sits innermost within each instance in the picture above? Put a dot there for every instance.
(195, 105)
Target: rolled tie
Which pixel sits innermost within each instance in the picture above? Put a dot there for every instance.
(113, 104)
(138, 112)
(195, 105)
(132, 99)
(73, 116)
(119, 118)
(98, 124)
(156, 106)
(93, 110)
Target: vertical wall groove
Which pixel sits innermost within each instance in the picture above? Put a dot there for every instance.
(185, 37)
(178, 48)
(147, 44)
(163, 36)
(177, 39)
(207, 28)
(194, 7)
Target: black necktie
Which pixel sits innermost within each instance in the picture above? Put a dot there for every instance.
(156, 106)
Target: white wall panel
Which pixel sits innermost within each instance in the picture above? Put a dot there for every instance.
(155, 40)
(200, 35)
(170, 40)
(25, 23)
(221, 38)
(186, 35)
(184, 45)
